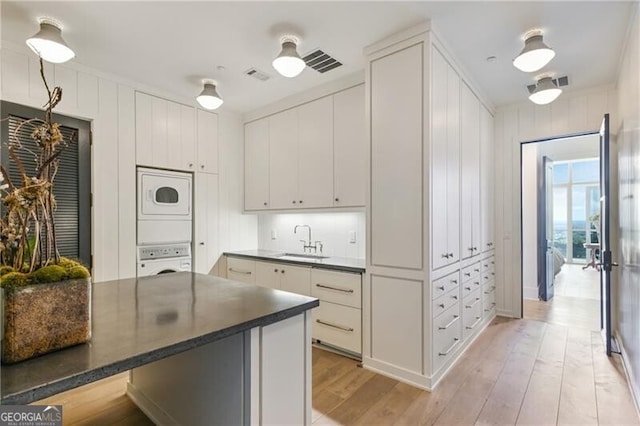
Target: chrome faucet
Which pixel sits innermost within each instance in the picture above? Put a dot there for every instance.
(307, 244)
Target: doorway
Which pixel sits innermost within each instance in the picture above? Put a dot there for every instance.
(560, 230)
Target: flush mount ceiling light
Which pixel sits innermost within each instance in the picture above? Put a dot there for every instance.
(49, 44)
(545, 92)
(535, 53)
(209, 97)
(289, 63)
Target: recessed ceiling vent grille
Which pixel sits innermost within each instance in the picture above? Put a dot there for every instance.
(321, 61)
(560, 82)
(257, 74)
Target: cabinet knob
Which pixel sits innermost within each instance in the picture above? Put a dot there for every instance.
(202, 166)
(265, 203)
(300, 201)
(275, 270)
(337, 199)
(450, 254)
(190, 165)
(294, 201)
(201, 243)
(282, 271)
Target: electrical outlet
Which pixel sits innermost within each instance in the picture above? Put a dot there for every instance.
(352, 237)
(274, 234)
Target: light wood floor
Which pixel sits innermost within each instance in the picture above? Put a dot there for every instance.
(573, 281)
(524, 372)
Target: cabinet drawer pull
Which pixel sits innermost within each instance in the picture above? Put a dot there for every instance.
(339, 327)
(237, 271)
(467, 274)
(492, 306)
(454, 297)
(476, 270)
(344, 290)
(440, 287)
(472, 326)
(486, 277)
(454, 281)
(441, 305)
(473, 304)
(455, 317)
(455, 343)
(445, 256)
(468, 288)
(450, 254)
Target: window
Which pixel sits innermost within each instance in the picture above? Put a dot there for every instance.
(576, 197)
(72, 185)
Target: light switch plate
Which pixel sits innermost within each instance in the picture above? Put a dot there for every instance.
(352, 237)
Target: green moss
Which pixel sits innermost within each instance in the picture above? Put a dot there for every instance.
(13, 280)
(4, 270)
(49, 274)
(77, 272)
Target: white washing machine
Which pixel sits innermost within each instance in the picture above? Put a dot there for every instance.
(162, 259)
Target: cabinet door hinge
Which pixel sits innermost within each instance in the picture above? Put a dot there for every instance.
(90, 137)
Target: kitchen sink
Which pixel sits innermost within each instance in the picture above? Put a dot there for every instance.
(299, 256)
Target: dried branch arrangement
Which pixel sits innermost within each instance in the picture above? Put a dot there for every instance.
(27, 228)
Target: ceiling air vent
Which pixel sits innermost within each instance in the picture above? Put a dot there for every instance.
(560, 82)
(257, 74)
(321, 61)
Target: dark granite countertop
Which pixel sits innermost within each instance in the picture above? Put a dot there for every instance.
(336, 263)
(137, 321)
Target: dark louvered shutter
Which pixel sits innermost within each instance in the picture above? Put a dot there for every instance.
(66, 183)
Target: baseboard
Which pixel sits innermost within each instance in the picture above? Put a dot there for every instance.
(628, 371)
(148, 407)
(400, 374)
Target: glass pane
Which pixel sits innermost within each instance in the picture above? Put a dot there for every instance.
(560, 219)
(166, 195)
(579, 207)
(594, 237)
(579, 238)
(560, 173)
(585, 171)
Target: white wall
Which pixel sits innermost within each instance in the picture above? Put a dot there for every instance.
(574, 112)
(628, 125)
(108, 102)
(331, 228)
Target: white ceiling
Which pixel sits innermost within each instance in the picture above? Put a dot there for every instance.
(173, 45)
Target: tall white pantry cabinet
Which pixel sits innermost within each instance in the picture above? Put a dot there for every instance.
(429, 283)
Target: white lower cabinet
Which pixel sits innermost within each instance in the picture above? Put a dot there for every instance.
(337, 322)
(242, 270)
(471, 314)
(447, 335)
(338, 325)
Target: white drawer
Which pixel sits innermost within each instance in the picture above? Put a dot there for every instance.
(488, 264)
(487, 277)
(488, 289)
(447, 334)
(243, 270)
(489, 305)
(338, 325)
(471, 272)
(445, 284)
(337, 287)
(471, 314)
(470, 286)
(444, 302)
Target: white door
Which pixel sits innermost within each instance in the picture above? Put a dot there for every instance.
(453, 164)
(470, 200)
(256, 165)
(486, 179)
(283, 160)
(295, 279)
(206, 222)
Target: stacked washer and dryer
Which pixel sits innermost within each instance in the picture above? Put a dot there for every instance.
(165, 212)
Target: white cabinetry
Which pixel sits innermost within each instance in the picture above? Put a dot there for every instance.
(207, 142)
(486, 179)
(424, 210)
(256, 165)
(470, 204)
(205, 222)
(315, 153)
(294, 279)
(310, 156)
(242, 270)
(283, 160)
(165, 133)
(445, 163)
(349, 148)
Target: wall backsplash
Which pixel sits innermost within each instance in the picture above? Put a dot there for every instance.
(333, 229)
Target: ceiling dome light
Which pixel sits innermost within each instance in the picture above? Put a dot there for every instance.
(535, 53)
(545, 92)
(209, 97)
(289, 63)
(49, 44)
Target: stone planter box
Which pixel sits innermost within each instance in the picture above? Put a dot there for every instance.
(43, 318)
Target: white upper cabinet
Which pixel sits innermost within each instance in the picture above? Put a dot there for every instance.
(445, 162)
(205, 222)
(283, 160)
(315, 153)
(165, 133)
(349, 148)
(470, 200)
(207, 142)
(486, 179)
(256, 165)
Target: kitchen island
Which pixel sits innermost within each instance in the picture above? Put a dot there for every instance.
(201, 350)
